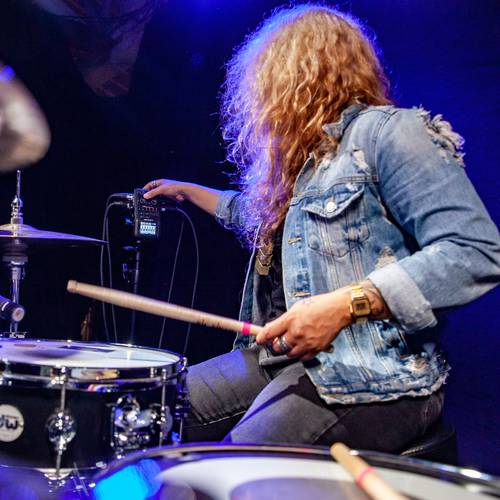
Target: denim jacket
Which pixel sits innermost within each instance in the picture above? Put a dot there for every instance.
(392, 204)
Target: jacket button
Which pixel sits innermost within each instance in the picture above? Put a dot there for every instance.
(314, 242)
(331, 206)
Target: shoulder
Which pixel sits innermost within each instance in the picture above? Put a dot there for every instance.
(414, 131)
(410, 122)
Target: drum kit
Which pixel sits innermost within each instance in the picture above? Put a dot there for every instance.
(68, 406)
(104, 421)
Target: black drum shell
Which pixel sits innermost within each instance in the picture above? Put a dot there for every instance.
(92, 412)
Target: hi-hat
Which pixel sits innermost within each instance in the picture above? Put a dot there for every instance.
(21, 238)
(24, 133)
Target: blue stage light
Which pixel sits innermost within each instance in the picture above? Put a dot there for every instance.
(136, 482)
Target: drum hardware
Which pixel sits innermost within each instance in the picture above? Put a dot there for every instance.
(10, 310)
(164, 421)
(131, 276)
(16, 263)
(17, 240)
(133, 428)
(16, 266)
(78, 405)
(182, 405)
(61, 426)
(61, 430)
(87, 325)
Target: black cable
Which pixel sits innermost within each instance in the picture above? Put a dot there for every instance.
(171, 286)
(101, 268)
(105, 236)
(195, 282)
(110, 271)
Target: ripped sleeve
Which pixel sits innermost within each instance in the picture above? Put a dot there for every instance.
(424, 185)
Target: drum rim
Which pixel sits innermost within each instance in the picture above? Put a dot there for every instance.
(458, 475)
(20, 372)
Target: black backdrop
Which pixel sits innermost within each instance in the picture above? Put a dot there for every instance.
(443, 55)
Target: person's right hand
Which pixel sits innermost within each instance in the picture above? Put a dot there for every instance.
(203, 197)
(166, 187)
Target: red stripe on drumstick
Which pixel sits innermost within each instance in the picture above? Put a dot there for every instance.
(361, 476)
(247, 328)
(364, 475)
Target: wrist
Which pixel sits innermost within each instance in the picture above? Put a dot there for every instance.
(379, 309)
(187, 191)
(344, 312)
(360, 308)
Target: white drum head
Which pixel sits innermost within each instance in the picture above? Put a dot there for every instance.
(292, 478)
(246, 472)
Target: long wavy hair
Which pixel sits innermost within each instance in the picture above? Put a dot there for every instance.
(297, 72)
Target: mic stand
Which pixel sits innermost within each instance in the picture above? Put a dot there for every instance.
(132, 276)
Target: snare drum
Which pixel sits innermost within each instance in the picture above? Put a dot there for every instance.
(66, 404)
(230, 472)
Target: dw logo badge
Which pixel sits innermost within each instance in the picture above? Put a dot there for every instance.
(11, 423)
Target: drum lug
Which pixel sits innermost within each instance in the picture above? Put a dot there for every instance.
(61, 429)
(133, 428)
(182, 405)
(60, 426)
(164, 422)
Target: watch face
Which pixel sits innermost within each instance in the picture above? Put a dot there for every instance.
(361, 307)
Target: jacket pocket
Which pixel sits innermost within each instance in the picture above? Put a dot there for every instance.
(336, 220)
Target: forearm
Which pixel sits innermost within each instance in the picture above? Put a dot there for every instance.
(311, 325)
(202, 196)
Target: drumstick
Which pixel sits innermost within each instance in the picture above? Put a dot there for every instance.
(364, 475)
(152, 306)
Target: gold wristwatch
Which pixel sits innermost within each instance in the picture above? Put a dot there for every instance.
(360, 307)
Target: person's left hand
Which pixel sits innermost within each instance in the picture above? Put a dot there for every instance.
(310, 326)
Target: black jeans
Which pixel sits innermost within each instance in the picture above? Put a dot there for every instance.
(235, 400)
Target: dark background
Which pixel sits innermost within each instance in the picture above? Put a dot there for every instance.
(442, 55)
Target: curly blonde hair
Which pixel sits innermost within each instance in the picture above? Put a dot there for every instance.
(297, 72)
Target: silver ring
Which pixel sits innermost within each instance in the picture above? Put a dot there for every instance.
(284, 345)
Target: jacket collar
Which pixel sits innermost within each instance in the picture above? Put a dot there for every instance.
(336, 129)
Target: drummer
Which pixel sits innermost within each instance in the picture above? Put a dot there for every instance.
(362, 224)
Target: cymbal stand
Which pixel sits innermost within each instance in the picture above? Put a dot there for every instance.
(16, 265)
(16, 214)
(16, 259)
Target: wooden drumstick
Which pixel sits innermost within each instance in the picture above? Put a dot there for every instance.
(364, 475)
(152, 306)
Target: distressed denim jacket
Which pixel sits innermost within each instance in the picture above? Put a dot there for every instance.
(392, 204)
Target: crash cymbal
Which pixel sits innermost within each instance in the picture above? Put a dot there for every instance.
(24, 133)
(21, 237)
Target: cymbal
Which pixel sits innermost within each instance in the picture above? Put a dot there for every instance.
(24, 133)
(20, 238)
